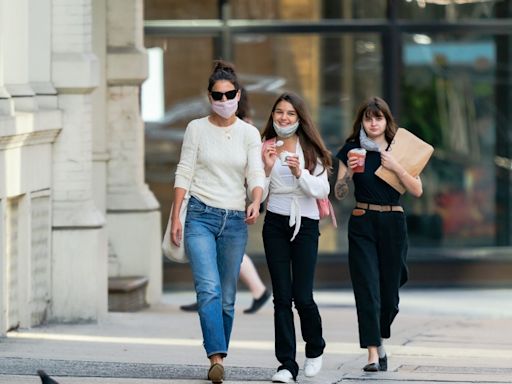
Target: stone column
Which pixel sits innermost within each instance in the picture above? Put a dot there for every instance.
(133, 216)
(16, 55)
(79, 285)
(6, 105)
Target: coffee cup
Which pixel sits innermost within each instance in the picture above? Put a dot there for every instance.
(283, 156)
(360, 154)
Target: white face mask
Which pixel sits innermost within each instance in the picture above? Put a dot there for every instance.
(225, 109)
(287, 131)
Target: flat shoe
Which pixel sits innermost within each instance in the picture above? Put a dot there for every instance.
(190, 307)
(282, 376)
(216, 373)
(312, 366)
(258, 303)
(372, 367)
(383, 363)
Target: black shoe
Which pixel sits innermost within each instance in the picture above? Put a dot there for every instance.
(45, 379)
(372, 367)
(258, 303)
(383, 363)
(190, 307)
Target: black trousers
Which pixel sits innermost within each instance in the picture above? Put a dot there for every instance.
(292, 268)
(377, 262)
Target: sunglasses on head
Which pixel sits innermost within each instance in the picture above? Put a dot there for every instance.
(229, 94)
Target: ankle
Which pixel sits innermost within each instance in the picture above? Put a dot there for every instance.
(373, 355)
(258, 293)
(216, 359)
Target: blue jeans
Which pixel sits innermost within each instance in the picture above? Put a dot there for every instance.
(215, 241)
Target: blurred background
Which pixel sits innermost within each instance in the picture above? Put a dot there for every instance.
(444, 66)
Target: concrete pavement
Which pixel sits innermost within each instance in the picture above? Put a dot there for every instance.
(440, 336)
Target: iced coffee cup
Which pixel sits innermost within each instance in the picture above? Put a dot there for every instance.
(360, 154)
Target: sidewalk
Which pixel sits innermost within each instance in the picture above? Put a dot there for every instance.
(440, 336)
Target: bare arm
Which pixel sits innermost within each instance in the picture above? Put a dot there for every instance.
(253, 210)
(341, 187)
(176, 224)
(413, 184)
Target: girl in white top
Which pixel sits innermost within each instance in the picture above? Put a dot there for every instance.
(296, 165)
(220, 155)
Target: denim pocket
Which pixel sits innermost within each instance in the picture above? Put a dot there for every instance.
(195, 206)
(239, 214)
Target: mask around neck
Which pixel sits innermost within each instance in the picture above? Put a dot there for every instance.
(286, 131)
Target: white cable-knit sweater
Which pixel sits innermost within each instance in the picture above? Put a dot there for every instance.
(227, 158)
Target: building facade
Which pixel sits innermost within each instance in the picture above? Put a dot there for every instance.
(444, 66)
(74, 206)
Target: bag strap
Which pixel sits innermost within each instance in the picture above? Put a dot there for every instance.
(333, 216)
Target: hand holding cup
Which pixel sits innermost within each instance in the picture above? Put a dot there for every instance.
(357, 158)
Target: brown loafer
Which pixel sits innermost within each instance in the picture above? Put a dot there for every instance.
(216, 373)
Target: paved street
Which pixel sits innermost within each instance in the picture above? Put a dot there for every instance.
(440, 336)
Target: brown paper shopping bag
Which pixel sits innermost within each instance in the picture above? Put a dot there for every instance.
(411, 152)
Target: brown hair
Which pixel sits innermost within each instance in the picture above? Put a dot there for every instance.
(312, 144)
(222, 70)
(244, 111)
(374, 107)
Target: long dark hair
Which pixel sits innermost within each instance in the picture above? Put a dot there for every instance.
(310, 140)
(222, 70)
(244, 111)
(374, 107)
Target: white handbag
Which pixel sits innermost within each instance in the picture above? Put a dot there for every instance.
(171, 251)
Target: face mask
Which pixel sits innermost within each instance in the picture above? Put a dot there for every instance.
(287, 131)
(225, 109)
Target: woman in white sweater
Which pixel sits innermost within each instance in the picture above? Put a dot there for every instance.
(220, 155)
(296, 165)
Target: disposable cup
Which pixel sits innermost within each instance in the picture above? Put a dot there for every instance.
(360, 154)
(283, 156)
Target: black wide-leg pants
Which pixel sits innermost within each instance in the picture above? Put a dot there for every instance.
(377, 262)
(292, 269)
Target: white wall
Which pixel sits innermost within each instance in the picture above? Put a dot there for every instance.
(71, 156)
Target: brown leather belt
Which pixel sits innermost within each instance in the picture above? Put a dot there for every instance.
(379, 208)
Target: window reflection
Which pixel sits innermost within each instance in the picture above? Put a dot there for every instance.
(307, 9)
(448, 99)
(180, 9)
(454, 92)
(452, 10)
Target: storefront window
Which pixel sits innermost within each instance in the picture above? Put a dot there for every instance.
(451, 88)
(264, 9)
(449, 100)
(307, 9)
(452, 10)
(181, 9)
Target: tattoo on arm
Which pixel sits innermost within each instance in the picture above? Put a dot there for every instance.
(341, 187)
